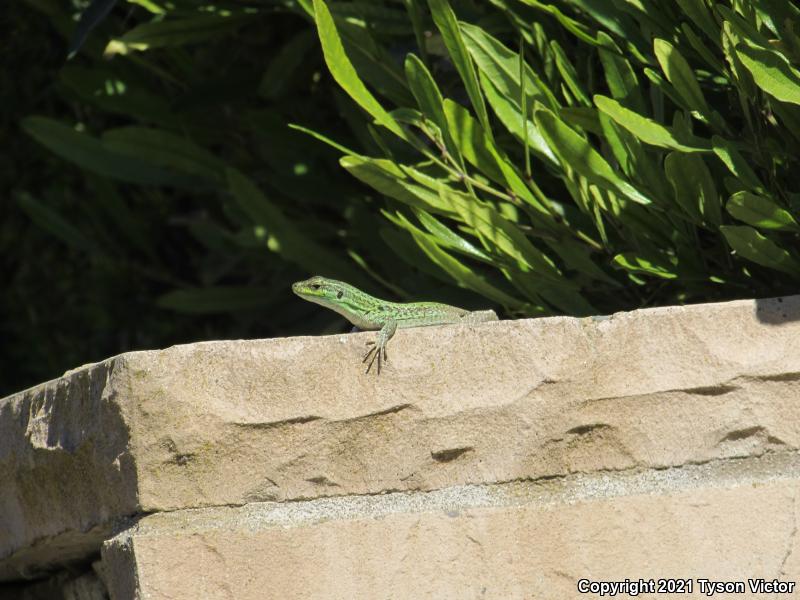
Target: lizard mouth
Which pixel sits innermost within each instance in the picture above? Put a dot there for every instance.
(304, 290)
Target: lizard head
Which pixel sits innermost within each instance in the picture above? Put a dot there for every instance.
(327, 292)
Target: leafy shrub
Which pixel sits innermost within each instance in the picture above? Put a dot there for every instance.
(575, 157)
(592, 155)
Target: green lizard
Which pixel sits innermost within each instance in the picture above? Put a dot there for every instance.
(370, 313)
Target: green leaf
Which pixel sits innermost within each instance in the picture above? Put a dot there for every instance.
(750, 244)
(376, 67)
(425, 91)
(647, 130)
(481, 152)
(93, 155)
(429, 99)
(389, 179)
(636, 162)
(501, 234)
(631, 262)
(321, 138)
(700, 47)
(510, 116)
(728, 154)
(577, 256)
(620, 76)
(176, 32)
(448, 238)
(693, 187)
(574, 152)
(568, 74)
(345, 74)
(415, 14)
(501, 66)
(218, 299)
(681, 76)
(582, 117)
(472, 141)
(165, 149)
(51, 221)
(698, 13)
(760, 212)
(771, 72)
(446, 23)
(460, 273)
(150, 5)
(616, 22)
(576, 28)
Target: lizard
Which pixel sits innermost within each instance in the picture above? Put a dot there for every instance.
(368, 313)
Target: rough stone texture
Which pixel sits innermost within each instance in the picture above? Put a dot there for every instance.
(237, 422)
(490, 545)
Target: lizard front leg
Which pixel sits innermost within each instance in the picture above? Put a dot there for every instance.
(379, 346)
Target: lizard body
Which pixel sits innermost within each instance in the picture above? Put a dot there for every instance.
(373, 314)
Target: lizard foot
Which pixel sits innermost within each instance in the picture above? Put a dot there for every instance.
(375, 353)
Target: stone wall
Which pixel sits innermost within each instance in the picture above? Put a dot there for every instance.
(506, 460)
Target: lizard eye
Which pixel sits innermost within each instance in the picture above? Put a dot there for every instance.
(314, 286)
(339, 294)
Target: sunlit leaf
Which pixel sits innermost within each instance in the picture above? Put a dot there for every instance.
(576, 153)
(771, 72)
(638, 264)
(750, 244)
(343, 71)
(648, 130)
(446, 22)
(760, 211)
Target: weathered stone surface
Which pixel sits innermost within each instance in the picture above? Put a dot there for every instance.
(513, 541)
(227, 423)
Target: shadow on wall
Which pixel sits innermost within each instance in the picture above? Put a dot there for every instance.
(778, 311)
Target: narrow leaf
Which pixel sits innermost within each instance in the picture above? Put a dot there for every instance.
(447, 237)
(760, 212)
(510, 116)
(680, 75)
(429, 99)
(693, 187)
(93, 155)
(165, 149)
(647, 130)
(501, 233)
(750, 244)
(446, 22)
(344, 73)
(460, 273)
(771, 72)
(49, 220)
(638, 264)
(620, 76)
(576, 153)
(728, 154)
